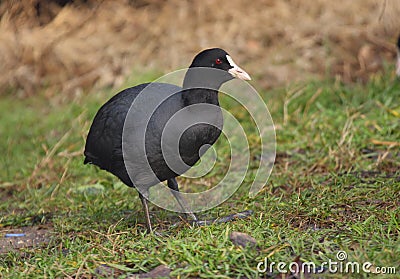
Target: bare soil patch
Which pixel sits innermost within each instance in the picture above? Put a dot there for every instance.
(33, 236)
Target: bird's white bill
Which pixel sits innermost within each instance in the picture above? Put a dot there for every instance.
(236, 71)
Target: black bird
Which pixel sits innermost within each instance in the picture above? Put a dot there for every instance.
(136, 136)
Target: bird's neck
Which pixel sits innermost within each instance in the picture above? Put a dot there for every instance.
(198, 95)
(201, 86)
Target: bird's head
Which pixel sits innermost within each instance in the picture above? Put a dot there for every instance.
(219, 59)
(211, 68)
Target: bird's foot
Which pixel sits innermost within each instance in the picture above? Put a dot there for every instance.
(225, 219)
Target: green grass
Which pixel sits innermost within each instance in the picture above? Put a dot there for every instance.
(335, 186)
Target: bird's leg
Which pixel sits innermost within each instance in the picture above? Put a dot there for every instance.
(173, 185)
(146, 212)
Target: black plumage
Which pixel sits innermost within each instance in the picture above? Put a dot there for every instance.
(147, 112)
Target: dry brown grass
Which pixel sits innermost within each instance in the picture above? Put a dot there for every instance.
(81, 45)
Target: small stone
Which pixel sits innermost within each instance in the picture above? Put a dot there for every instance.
(242, 239)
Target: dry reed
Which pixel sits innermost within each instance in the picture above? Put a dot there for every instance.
(89, 44)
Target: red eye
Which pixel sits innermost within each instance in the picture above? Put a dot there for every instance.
(218, 61)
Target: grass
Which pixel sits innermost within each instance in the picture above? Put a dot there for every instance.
(335, 186)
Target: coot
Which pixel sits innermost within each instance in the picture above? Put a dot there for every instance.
(132, 136)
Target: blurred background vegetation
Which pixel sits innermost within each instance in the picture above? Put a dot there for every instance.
(326, 70)
(61, 46)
